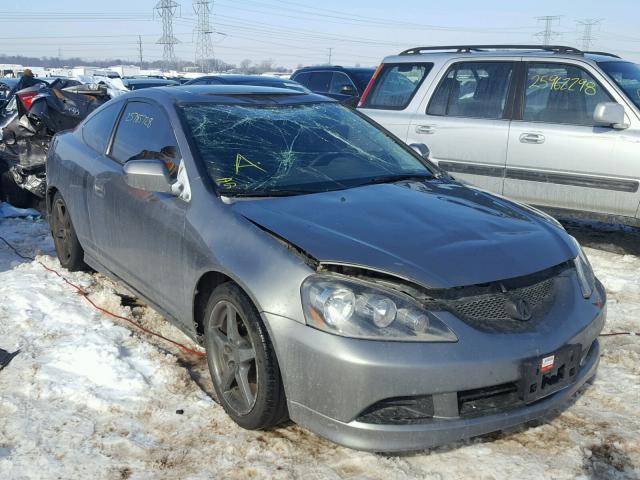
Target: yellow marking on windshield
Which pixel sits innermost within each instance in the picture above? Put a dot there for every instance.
(227, 182)
(243, 162)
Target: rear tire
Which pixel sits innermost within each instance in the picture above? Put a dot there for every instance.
(68, 248)
(242, 363)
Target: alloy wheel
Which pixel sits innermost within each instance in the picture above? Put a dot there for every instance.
(62, 231)
(234, 357)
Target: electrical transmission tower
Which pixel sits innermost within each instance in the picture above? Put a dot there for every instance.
(547, 34)
(203, 31)
(166, 10)
(587, 37)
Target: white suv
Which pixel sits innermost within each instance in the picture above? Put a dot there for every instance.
(551, 126)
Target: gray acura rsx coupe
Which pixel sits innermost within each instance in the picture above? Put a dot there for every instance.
(334, 275)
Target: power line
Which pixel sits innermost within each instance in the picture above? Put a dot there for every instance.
(547, 34)
(587, 37)
(203, 30)
(166, 10)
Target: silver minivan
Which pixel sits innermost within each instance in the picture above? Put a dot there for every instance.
(551, 126)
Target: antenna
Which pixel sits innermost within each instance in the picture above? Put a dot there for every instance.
(166, 10)
(547, 34)
(587, 37)
(203, 31)
(330, 52)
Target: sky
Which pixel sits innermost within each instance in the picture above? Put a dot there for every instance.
(306, 32)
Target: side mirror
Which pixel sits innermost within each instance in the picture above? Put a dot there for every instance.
(348, 90)
(148, 175)
(421, 149)
(610, 114)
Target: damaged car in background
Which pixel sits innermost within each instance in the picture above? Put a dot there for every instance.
(334, 275)
(28, 121)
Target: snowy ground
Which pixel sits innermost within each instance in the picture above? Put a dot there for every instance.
(89, 397)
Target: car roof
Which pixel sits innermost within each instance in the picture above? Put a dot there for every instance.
(235, 94)
(237, 77)
(241, 79)
(506, 51)
(336, 68)
(150, 80)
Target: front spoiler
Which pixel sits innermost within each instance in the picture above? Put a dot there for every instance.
(392, 438)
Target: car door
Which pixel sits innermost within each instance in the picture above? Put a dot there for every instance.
(558, 156)
(466, 121)
(138, 234)
(96, 135)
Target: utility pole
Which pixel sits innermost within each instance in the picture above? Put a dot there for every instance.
(166, 10)
(60, 52)
(587, 32)
(330, 52)
(203, 31)
(140, 49)
(547, 34)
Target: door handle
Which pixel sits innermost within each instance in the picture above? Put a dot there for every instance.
(532, 138)
(426, 129)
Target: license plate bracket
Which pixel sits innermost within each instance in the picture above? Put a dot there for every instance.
(545, 375)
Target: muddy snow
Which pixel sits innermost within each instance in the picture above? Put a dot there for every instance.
(91, 397)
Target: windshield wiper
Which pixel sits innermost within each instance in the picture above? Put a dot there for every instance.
(398, 177)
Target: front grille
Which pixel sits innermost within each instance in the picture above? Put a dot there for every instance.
(484, 401)
(498, 307)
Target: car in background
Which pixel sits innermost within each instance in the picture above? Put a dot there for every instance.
(6, 86)
(140, 83)
(334, 275)
(551, 126)
(255, 80)
(345, 84)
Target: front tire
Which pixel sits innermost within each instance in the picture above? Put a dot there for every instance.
(241, 360)
(68, 248)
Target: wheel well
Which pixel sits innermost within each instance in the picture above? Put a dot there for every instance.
(206, 285)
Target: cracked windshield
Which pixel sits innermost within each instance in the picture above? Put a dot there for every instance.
(295, 149)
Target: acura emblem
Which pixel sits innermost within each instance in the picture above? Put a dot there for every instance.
(519, 309)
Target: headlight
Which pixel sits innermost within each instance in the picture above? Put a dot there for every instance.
(352, 308)
(586, 278)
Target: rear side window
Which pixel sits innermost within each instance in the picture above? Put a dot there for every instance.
(474, 90)
(561, 93)
(144, 133)
(97, 131)
(396, 84)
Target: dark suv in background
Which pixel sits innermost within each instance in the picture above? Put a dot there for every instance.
(345, 84)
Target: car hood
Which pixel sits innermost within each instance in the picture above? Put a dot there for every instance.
(437, 234)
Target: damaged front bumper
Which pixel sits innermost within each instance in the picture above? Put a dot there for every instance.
(396, 396)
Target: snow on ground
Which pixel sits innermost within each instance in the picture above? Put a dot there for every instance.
(89, 397)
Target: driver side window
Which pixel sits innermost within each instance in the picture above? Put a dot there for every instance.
(144, 133)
